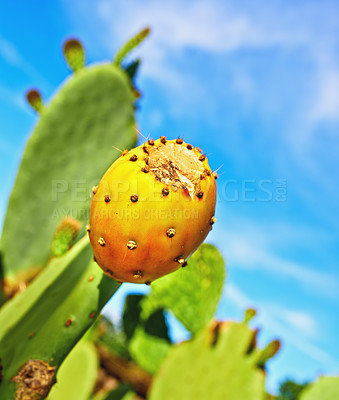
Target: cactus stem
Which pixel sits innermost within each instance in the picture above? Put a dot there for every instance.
(213, 220)
(101, 241)
(134, 198)
(131, 245)
(133, 158)
(170, 232)
(68, 322)
(165, 192)
(94, 189)
(107, 198)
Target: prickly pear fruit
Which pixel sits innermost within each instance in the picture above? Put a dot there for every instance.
(151, 210)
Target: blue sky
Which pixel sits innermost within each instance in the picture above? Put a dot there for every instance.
(256, 85)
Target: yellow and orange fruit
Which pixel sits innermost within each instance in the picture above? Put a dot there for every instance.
(151, 210)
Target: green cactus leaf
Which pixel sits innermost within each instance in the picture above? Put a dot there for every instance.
(77, 375)
(146, 328)
(131, 314)
(68, 152)
(130, 45)
(106, 334)
(326, 388)
(122, 392)
(193, 293)
(35, 101)
(45, 321)
(214, 365)
(74, 54)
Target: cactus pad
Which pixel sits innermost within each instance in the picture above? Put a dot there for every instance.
(215, 365)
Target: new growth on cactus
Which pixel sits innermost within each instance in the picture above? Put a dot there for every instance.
(151, 210)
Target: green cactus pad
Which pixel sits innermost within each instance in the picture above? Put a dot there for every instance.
(146, 329)
(326, 388)
(76, 378)
(130, 45)
(74, 54)
(68, 152)
(215, 365)
(193, 292)
(46, 320)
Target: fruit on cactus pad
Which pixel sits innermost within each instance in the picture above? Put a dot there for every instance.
(151, 210)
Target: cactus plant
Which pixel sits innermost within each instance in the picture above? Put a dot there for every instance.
(67, 153)
(151, 210)
(220, 363)
(326, 388)
(40, 325)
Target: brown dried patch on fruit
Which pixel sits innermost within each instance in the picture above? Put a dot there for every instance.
(200, 194)
(124, 152)
(179, 141)
(176, 166)
(107, 198)
(134, 198)
(88, 228)
(202, 158)
(94, 189)
(33, 380)
(215, 175)
(133, 158)
(145, 149)
(145, 169)
(163, 139)
(150, 142)
(213, 220)
(148, 283)
(189, 146)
